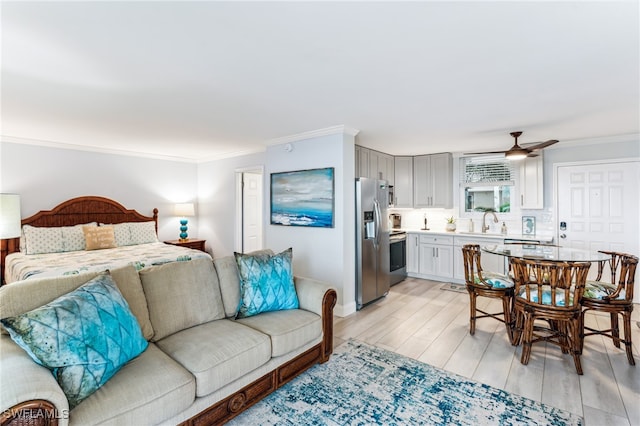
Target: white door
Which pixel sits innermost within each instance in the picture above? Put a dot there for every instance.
(251, 212)
(598, 207)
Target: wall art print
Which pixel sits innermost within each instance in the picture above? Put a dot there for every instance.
(303, 198)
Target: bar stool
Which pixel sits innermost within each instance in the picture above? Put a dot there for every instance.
(549, 291)
(486, 284)
(615, 297)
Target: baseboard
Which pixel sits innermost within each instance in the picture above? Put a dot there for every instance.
(344, 310)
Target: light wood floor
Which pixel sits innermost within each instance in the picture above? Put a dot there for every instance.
(420, 320)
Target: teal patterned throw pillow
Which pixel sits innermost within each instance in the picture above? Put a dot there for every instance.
(84, 337)
(266, 283)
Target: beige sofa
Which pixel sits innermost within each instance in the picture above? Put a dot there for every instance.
(201, 366)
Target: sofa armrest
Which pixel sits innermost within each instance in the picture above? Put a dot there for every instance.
(311, 293)
(320, 298)
(27, 386)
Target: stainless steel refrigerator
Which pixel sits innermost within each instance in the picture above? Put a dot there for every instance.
(372, 240)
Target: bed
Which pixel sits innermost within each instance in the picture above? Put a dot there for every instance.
(70, 239)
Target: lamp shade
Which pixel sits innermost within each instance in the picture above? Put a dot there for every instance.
(184, 210)
(9, 216)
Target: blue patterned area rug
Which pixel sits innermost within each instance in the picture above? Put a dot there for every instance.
(366, 385)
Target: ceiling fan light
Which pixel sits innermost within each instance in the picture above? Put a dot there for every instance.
(516, 154)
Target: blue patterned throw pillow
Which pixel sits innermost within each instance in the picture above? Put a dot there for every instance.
(266, 283)
(84, 337)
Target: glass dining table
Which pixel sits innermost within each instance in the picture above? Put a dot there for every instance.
(545, 252)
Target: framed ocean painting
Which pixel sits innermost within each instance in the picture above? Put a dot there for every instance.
(303, 198)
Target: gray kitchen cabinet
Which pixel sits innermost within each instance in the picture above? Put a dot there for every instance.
(374, 164)
(413, 249)
(362, 162)
(433, 180)
(531, 183)
(490, 262)
(436, 257)
(403, 187)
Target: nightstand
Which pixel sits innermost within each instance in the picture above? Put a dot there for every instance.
(191, 243)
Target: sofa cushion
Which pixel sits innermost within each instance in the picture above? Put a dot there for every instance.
(288, 330)
(83, 337)
(181, 295)
(266, 283)
(227, 270)
(149, 389)
(23, 296)
(218, 352)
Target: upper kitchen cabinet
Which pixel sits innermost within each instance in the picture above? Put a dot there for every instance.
(374, 164)
(433, 180)
(531, 183)
(403, 188)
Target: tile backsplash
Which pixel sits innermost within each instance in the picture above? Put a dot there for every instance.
(437, 218)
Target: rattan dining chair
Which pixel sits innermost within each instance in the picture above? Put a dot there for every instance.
(551, 292)
(486, 284)
(614, 296)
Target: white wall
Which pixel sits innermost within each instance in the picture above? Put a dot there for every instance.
(217, 200)
(45, 177)
(326, 254)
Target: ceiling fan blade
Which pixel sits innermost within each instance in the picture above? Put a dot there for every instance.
(485, 152)
(532, 154)
(541, 145)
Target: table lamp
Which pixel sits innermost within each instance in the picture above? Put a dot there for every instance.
(9, 216)
(184, 210)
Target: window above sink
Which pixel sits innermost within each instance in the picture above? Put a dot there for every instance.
(487, 182)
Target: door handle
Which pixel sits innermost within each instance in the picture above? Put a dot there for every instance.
(563, 235)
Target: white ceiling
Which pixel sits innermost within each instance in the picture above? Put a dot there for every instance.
(201, 80)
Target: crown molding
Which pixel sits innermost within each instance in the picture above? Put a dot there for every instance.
(570, 143)
(334, 130)
(74, 147)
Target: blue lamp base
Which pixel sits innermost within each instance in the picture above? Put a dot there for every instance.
(183, 230)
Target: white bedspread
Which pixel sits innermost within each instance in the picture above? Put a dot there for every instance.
(21, 266)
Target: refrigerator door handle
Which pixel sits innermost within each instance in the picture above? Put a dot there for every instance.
(377, 214)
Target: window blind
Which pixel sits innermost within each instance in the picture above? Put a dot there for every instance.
(487, 170)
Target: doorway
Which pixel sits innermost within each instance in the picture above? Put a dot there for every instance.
(598, 206)
(249, 191)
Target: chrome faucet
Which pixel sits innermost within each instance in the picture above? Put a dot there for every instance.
(485, 227)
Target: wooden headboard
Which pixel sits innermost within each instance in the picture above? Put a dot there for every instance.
(74, 212)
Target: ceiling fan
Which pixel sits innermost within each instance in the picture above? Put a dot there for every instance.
(517, 152)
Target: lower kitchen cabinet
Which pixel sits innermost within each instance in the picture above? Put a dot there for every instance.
(435, 257)
(413, 255)
(490, 262)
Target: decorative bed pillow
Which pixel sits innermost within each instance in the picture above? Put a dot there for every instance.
(84, 337)
(132, 233)
(122, 234)
(99, 237)
(143, 232)
(266, 283)
(73, 238)
(40, 240)
(43, 240)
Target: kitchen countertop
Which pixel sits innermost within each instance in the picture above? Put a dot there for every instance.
(541, 238)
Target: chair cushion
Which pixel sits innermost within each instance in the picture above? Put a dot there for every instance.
(599, 290)
(546, 296)
(218, 352)
(266, 283)
(83, 337)
(148, 390)
(495, 280)
(289, 330)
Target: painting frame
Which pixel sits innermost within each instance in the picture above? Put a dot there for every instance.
(304, 198)
(529, 225)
